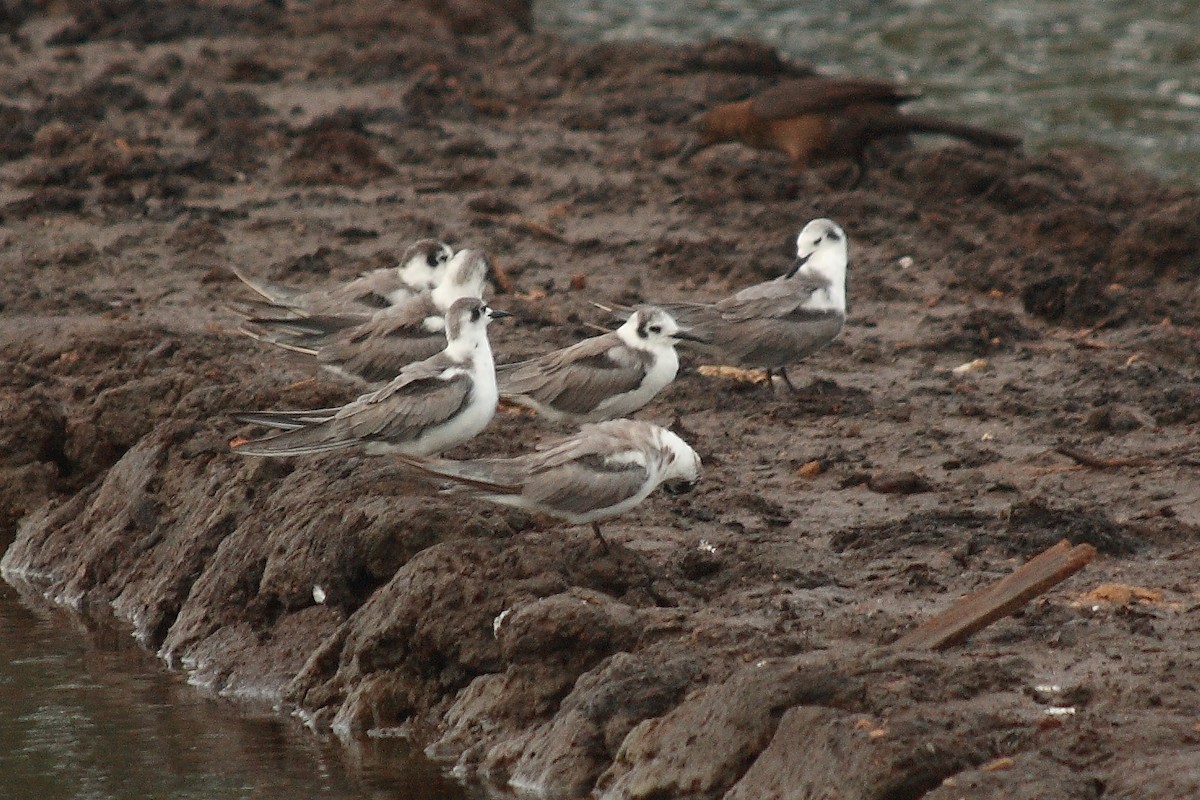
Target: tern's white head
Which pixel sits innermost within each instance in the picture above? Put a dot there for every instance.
(822, 249)
(423, 264)
(651, 329)
(466, 325)
(465, 275)
(681, 464)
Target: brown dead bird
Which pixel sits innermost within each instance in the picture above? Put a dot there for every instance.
(823, 119)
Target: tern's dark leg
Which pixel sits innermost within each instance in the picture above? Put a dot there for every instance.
(783, 374)
(600, 536)
(770, 380)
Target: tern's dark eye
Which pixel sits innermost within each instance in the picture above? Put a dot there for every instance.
(656, 328)
(833, 237)
(475, 312)
(818, 240)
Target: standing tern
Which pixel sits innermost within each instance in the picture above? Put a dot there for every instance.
(430, 406)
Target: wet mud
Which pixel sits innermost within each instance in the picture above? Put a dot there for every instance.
(1020, 366)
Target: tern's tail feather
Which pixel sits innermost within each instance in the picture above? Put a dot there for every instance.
(254, 309)
(274, 293)
(287, 420)
(280, 334)
(300, 334)
(473, 475)
(296, 442)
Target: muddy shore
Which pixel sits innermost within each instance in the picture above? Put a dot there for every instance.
(734, 641)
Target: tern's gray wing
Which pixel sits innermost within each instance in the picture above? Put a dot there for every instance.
(369, 292)
(689, 314)
(378, 350)
(423, 396)
(497, 476)
(817, 95)
(606, 439)
(593, 470)
(274, 293)
(773, 298)
(288, 420)
(364, 294)
(578, 378)
(571, 479)
(585, 484)
(763, 325)
(263, 309)
(303, 334)
(773, 342)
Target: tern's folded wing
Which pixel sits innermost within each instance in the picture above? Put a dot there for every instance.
(480, 475)
(577, 379)
(778, 341)
(307, 334)
(380, 349)
(774, 298)
(585, 485)
(275, 293)
(367, 292)
(398, 413)
(288, 420)
(424, 395)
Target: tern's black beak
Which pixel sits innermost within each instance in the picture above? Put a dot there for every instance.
(687, 336)
(495, 313)
(797, 264)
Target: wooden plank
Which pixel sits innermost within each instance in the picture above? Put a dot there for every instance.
(973, 613)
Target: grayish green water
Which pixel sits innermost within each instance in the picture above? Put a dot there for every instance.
(1124, 76)
(87, 715)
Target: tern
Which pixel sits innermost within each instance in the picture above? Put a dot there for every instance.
(778, 322)
(603, 470)
(375, 348)
(420, 269)
(605, 377)
(430, 406)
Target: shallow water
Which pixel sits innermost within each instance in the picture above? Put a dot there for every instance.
(85, 714)
(1124, 76)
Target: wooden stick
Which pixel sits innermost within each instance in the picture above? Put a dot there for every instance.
(976, 611)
